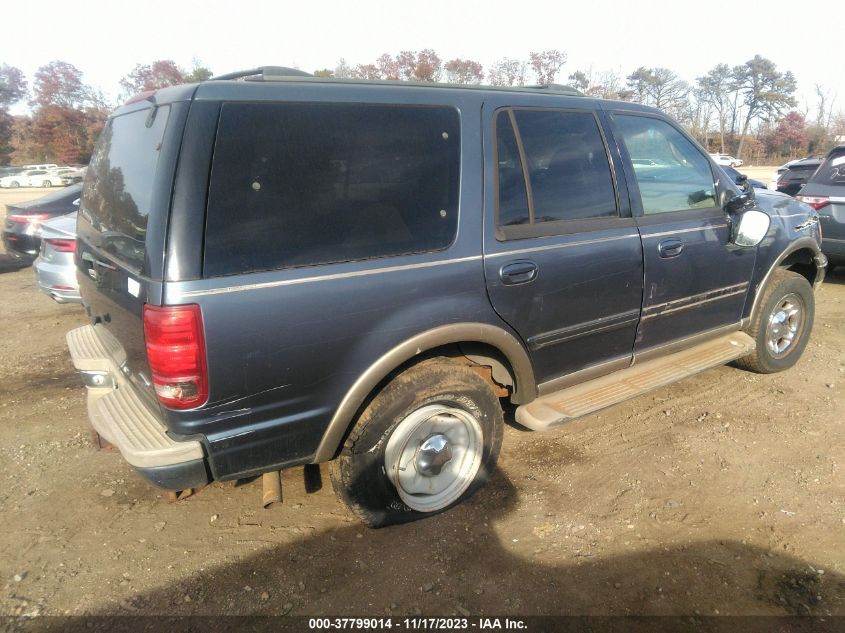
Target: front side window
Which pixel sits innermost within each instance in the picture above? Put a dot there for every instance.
(564, 156)
(296, 184)
(671, 173)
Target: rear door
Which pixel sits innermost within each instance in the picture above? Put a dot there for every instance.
(695, 279)
(562, 257)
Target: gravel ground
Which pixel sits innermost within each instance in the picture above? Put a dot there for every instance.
(722, 494)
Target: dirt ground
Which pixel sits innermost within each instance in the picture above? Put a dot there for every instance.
(722, 494)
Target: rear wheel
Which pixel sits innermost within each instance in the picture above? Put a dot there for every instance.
(46, 184)
(782, 325)
(426, 442)
(14, 184)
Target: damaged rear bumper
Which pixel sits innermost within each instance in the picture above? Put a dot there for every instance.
(119, 415)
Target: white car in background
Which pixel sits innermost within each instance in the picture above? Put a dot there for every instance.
(44, 179)
(725, 160)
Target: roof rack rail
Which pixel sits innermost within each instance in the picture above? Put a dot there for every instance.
(558, 88)
(263, 73)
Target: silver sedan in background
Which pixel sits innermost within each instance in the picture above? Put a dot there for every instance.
(54, 267)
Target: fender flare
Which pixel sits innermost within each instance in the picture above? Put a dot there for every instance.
(525, 387)
(805, 242)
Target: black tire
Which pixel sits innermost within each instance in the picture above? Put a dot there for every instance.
(360, 475)
(782, 287)
(14, 184)
(46, 184)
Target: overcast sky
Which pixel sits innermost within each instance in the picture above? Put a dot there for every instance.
(106, 39)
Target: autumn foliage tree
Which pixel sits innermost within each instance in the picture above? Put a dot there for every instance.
(67, 118)
(463, 71)
(546, 65)
(12, 90)
(789, 137)
(160, 74)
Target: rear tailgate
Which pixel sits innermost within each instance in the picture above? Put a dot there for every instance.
(121, 229)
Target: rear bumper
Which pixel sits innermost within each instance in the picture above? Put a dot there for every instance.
(57, 281)
(118, 414)
(21, 244)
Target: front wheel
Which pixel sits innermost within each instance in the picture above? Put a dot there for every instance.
(781, 328)
(426, 442)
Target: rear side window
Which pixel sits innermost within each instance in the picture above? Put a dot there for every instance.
(568, 170)
(118, 187)
(303, 184)
(832, 170)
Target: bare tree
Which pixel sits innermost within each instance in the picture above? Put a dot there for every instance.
(507, 72)
(342, 70)
(716, 88)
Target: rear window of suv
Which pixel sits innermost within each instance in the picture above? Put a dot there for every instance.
(832, 170)
(118, 188)
(297, 184)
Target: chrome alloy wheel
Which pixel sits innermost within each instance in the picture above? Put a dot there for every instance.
(433, 456)
(785, 322)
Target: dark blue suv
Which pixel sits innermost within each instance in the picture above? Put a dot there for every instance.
(291, 270)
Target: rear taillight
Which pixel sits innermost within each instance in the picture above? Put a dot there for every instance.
(62, 246)
(35, 218)
(176, 355)
(817, 202)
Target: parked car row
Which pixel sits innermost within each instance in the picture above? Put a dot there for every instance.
(44, 230)
(44, 176)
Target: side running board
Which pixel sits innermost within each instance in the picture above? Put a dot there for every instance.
(567, 404)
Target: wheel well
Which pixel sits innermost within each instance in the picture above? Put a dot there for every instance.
(490, 363)
(500, 377)
(801, 262)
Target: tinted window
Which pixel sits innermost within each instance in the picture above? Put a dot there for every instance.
(300, 184)
(568, 170)
(513, 199)
(568, 167)
(118, 187)
(832, 170)
(679, 178)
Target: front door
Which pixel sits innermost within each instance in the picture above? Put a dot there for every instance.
(562, 256)
(695, 279)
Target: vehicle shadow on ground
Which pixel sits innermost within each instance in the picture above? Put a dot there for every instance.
(456, 563)
(10, 264)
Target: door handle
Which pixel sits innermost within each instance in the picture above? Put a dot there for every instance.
(518, 273)
(670, 248)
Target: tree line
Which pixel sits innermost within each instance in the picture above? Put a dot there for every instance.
(748, 110)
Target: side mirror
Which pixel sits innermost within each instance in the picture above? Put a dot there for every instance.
(742, 201)
(750, 228)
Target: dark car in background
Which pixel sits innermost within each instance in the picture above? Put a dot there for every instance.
(22, 228)
(825, 192)
(739, 178)
(798, 173)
